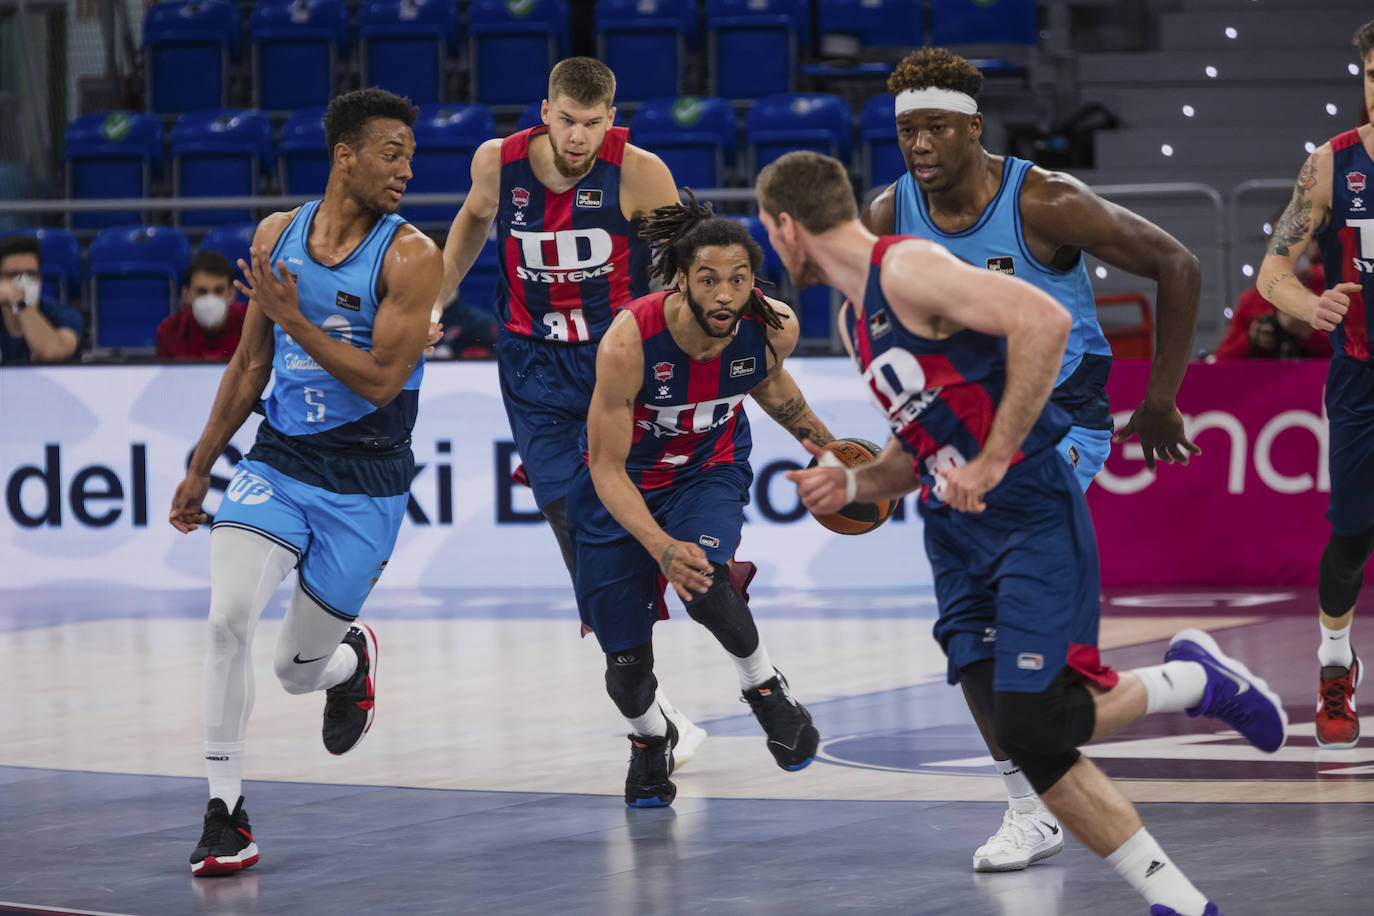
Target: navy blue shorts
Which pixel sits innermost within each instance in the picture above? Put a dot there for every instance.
(1350, 410)
(546, 389)
(616, 580)
(1018, 583)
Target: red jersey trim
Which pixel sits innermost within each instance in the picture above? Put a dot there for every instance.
(517, 145)
(883, 244)
(613, 147)
(1345, 140)
(648, 312)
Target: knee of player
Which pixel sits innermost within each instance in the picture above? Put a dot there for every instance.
(1028, 723)
(296, 678)
(630, 678)
(228, 630)
(703, 603)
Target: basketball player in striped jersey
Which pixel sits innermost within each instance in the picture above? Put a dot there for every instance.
(566, 197)
(667, 479)
(339, 293)
(1333, 202)
(1013, 217)
(962, 360)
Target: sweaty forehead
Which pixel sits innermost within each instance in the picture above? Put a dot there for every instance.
(720, 258)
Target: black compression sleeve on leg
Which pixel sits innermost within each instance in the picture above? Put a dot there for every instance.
(1042, 731)
(1342, 571)
(557, 514)
(630, 680)
(723, 611)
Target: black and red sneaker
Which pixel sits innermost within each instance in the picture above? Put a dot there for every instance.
(349, 707)
(1338, 727)
(226, 844)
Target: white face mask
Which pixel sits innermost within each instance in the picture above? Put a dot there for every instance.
(209, 310)
(29, 288)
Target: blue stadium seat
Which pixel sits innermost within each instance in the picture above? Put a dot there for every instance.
(478, 288)
(60, 256)
(184, 39)
(530, 117)
(1007, 31)
(445, 138)
(695, 136)
(135, 274)
(234, 241)
(645, 44)
(219, 153)
(303, 153)
(874, 22)
(512, 46)
(111, 154)
(791, 121)
(752, 46)
(404, 45)
(880, 158)
(297, 46)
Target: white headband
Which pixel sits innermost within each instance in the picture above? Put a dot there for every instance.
(943, 99)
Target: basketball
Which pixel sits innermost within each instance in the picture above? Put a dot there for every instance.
(856, 517)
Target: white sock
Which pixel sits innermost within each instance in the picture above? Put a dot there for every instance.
(755, 668)
(1172, 686)
(1154, 875)
(224, 769)
(1019, 792)
(342, 664)
(1335, 647)
(651, 723)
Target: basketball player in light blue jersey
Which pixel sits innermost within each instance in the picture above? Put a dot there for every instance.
(1008, 215)
(339, 294)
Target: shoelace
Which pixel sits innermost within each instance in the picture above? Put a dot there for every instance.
(1014, 830)
(1334, 704)
(218, 831)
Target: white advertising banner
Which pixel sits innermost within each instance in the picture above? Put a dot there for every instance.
(91, 455)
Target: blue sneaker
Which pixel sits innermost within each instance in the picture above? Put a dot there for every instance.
(1160, 909)
(1233, 694)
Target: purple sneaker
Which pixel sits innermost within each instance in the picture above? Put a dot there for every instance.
(1160, 909)
(1233, 694)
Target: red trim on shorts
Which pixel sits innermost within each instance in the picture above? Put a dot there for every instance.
(1087, 662)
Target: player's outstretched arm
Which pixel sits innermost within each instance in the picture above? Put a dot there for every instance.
(610, 432)
(922, 281)
(470, 227)
(1307, 212)
(240, 387)
(778, 394)
(1065, 211)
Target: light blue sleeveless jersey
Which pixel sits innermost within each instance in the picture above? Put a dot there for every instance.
(306, 402)
(996, 242)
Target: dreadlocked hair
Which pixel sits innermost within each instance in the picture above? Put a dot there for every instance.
(677, 231)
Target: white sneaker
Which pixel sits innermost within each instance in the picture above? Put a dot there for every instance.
(689, 734)
(1025, 837)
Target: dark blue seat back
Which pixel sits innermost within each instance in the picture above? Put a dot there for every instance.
(111, 155)
(136, 274)
(404, 45)
(880, 158)
(958, 22)
(645, 43)
(752, 46)
(513, 44)
(234, 241)
(187, 46)
(296, 48)
(219, 153)
(694, 136)
(303, 153)
(478, 288)
(796, 120)
(445, 138)
(874, 22)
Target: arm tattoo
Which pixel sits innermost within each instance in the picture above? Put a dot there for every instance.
(1294, 228)
(665, 560)
(1269, 287)
(788, 413)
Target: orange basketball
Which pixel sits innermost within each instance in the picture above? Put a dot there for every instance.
(857, 517)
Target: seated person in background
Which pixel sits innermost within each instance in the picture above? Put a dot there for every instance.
(33, 330)
(468, 332)
(1260, 331)
(208, 325)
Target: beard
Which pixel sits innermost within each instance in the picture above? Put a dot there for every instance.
(807, 274)
(699, 313)
(566, 168)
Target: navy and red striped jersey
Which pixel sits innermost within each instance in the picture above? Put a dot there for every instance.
(939, 396)
(1347, 241)
(569, 260)
(688, 415)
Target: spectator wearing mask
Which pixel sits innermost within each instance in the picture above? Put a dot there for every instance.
(33, 330)
(208, 325)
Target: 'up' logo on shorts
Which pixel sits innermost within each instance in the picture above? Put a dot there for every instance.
(707, 541)
(249, 489)
(1030, 661)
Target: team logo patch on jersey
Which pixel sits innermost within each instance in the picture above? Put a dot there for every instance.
(878, 325)
(589, 198)
(663, 371)
(1354, 181)
(663, 391)
(1003, 265)
(1356, 203)
(348, 301)
(707, 541)
(520, 197)
(742, 367)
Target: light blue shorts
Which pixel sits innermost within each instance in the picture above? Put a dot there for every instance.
(1086, 452)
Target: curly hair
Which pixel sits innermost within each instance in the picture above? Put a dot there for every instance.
(349, 114)
(937, 68)
(677, 231)
(1363, 40)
